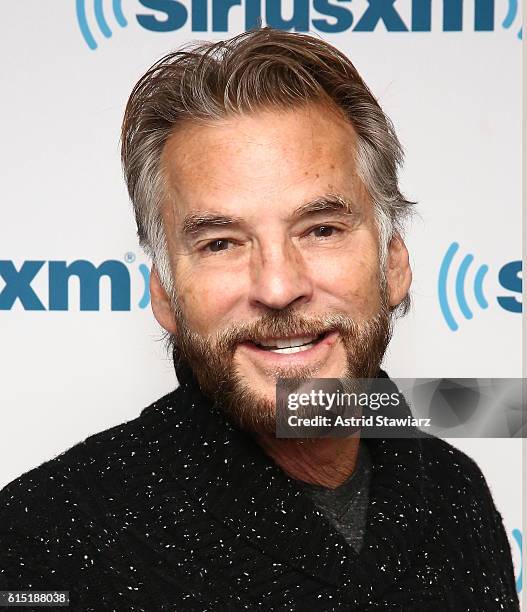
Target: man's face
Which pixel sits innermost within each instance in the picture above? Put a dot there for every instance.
(274, 255)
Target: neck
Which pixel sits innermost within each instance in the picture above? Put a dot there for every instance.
(321, 461)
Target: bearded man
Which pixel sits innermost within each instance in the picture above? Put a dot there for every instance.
(263, 175)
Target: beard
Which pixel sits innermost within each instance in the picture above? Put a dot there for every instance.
(211, 357)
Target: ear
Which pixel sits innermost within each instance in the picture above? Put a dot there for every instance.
(398, 271)
(161, 306)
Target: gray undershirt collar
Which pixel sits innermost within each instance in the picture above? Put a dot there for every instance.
(346, 506)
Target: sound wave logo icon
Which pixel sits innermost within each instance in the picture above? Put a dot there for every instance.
(511, 16)
(459, 286)
(100, 19)
(517, 535)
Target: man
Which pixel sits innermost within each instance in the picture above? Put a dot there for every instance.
(263, 175)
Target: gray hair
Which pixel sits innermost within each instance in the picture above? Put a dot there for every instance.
(259, 69)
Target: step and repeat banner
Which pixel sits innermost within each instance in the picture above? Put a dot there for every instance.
(74, 362)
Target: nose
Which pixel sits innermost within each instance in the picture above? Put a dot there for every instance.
(279, 278)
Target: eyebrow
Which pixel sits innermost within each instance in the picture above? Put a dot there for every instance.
(199, 222)
(329, 203)
(196, 223)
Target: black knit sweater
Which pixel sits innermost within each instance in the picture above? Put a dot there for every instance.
(178, 510)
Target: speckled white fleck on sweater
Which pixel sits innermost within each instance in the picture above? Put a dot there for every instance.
(178, 510)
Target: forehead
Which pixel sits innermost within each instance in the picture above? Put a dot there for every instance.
(273, 158)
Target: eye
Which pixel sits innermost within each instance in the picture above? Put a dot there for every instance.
(324, 231)
(217, 245)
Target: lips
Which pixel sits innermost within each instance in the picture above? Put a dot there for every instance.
(290, 345)
(286, 346)
(297, 351)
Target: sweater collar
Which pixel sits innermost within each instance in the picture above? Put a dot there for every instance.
(226, 471)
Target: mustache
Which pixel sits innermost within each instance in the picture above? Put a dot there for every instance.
(282, 324)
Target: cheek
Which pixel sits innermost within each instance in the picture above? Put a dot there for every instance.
(208, 299)
(353, 280)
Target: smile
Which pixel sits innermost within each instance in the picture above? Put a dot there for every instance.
(289, 345)
(292, 350)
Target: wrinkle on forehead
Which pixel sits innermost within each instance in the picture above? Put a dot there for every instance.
(242, 156)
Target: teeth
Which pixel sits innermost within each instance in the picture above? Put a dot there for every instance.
(292, 349)
(286, 343)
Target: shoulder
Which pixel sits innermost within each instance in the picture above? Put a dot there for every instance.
(444, 462)
(68, 511)
(455, 482)
(458, 490)
(51, 489)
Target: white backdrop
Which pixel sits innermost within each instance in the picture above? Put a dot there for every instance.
(455, 99)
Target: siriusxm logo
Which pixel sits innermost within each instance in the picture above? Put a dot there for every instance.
(509, 277)
(327, 16)
(18, 284)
